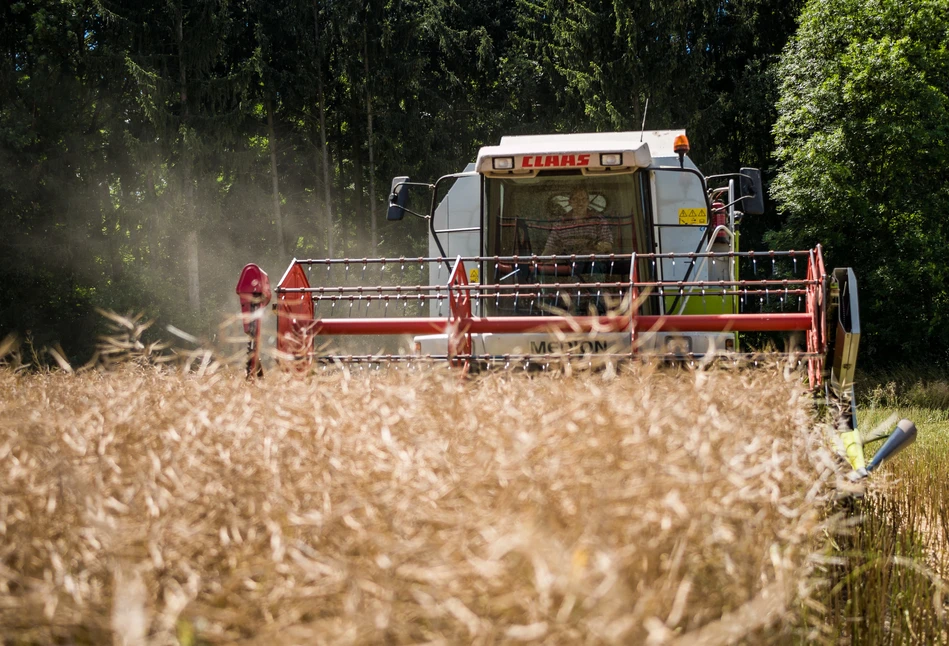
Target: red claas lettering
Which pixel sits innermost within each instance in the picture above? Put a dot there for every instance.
(554, 161)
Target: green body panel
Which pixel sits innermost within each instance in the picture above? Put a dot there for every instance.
(696, 304)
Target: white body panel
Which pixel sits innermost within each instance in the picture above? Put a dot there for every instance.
(459, 209)
(499, 345)
(637, 148)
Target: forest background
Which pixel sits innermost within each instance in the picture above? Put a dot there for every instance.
(150, 148)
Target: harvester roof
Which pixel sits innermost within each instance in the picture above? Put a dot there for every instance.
(527, 154)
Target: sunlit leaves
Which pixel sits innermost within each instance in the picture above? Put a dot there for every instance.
(863, 141)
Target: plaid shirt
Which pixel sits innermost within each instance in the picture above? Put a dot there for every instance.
(578, 236)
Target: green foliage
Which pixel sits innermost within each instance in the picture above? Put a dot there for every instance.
(137, 157)
(863, 141)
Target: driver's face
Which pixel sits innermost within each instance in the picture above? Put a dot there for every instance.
(579, 200)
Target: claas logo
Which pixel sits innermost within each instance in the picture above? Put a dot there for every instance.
(554, 161)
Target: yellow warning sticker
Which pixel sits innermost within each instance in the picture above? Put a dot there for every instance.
(693, 216)
(473, 276)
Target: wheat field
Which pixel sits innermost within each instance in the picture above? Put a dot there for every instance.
(148, 504)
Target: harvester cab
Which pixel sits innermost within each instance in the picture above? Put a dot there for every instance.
(578, 247)
(551, 224)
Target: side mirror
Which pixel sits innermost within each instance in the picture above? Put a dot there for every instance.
(398, 197)
(751, 190)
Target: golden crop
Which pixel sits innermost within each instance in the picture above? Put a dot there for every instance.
(405, 505)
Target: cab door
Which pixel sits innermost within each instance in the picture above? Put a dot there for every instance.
(680, 217)
(457, 223)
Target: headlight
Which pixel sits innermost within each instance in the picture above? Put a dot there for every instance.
(611, 159)
(502, 163)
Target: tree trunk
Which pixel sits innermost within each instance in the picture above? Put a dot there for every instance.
(155, 227)
(637, 112)
(373, 235)
(344, 218)
(328, 199)
(187, 181)
(110, 221)
(275, 182)
(358, 212)
(194, 284)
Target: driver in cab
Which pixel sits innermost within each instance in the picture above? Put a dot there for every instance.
(581, 231)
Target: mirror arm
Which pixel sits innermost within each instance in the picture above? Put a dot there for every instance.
(740, 199)
(725, 175)
(418, 215)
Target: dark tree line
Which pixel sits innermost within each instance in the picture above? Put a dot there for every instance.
(150, 148)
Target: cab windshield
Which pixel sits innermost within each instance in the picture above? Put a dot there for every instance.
(563, 214)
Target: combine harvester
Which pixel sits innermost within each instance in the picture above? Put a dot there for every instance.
(578, 247)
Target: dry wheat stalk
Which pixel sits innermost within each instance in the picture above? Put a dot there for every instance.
(143, 505)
